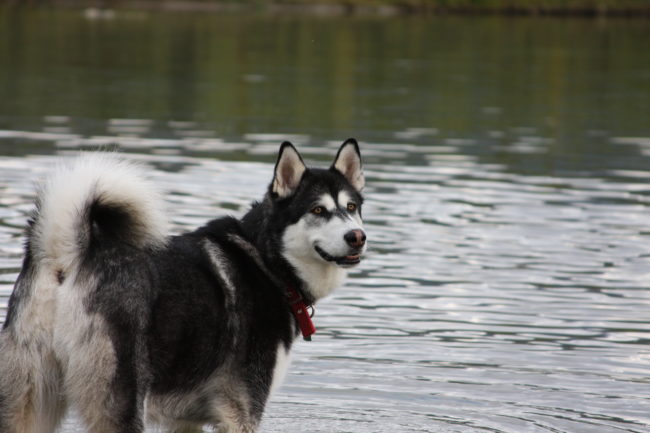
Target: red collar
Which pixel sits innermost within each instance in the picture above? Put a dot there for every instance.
(299, 310)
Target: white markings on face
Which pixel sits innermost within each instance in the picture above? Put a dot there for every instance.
(326, 232)
(344, 200)
(298, 248)
(327, 202)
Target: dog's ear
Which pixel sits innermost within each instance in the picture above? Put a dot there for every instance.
(348, 163)
(288, 171)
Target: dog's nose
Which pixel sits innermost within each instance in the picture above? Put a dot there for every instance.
(355, 238)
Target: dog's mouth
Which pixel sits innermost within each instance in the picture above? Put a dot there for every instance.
(349, 260)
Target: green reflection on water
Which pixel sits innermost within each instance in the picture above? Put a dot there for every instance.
(574, 82)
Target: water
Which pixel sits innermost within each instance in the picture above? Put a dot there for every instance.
(506, 287)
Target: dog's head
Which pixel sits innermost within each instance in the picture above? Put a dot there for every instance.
(323, 233)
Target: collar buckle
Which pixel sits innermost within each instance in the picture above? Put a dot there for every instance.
(301, 312)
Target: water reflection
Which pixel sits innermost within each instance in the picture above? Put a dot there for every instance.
(540, 95)
(507, 167)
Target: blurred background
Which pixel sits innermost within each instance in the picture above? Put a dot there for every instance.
(507, 150)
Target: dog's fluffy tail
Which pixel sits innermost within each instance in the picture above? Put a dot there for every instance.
(97, 200)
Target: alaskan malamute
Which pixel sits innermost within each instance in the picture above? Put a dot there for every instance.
(129, 326)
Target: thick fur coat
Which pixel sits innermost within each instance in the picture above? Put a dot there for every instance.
(129, 325)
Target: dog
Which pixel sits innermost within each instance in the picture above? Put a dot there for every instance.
(131, 327)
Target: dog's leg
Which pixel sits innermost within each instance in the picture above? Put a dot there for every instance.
(17, 414)
(104, 384)
(185, 428)
(234, 417)
(105, 404)
(232, 428)
(51, 404)
(31, 398)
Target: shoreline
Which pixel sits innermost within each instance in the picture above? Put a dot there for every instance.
(532, 8)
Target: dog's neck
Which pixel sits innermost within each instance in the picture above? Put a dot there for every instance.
(319, 279)
(256, 226)
(313, 277)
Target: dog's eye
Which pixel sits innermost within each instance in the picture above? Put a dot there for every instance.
(318, 210)
(352, 207)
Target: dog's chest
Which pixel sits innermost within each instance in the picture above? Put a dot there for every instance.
(282, 362)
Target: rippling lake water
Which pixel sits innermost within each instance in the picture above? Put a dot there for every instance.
(508, 194)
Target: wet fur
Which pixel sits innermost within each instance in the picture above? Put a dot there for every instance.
(130, 326)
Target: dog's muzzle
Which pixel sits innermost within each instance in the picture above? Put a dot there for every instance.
(356, 239)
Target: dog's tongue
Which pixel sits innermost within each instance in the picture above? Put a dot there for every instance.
(352, 257)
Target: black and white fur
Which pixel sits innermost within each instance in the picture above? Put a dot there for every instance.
(112, 316)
